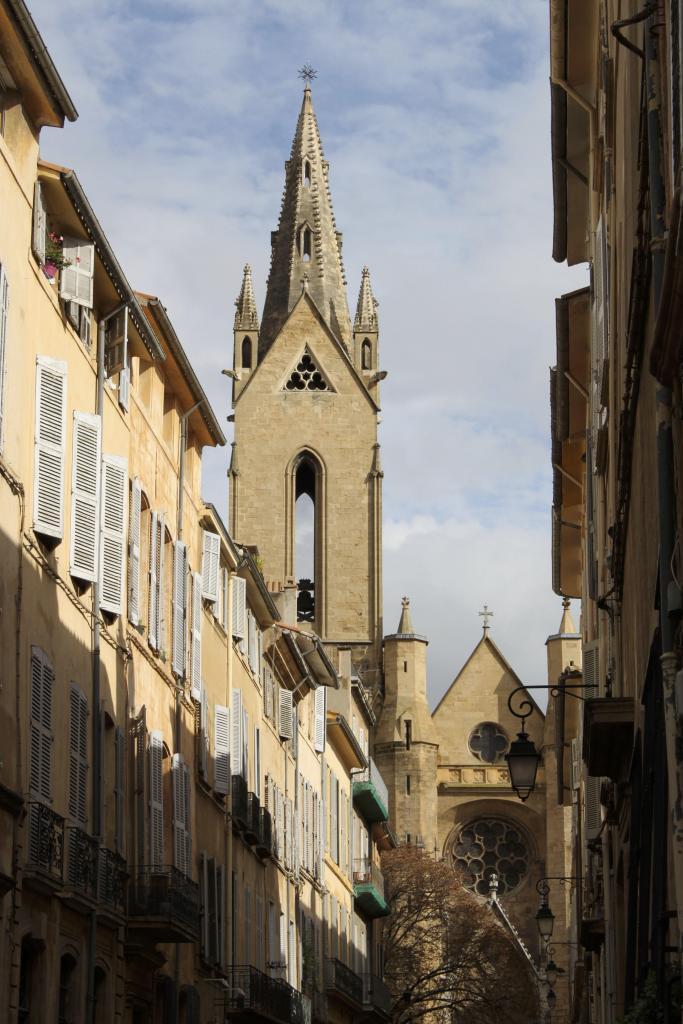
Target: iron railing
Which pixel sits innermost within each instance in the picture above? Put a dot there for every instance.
(112, 875)
(81, 860)
(164, 893)
(376, 993)
(264, 847)
(252, 990)
(373, 775)
(340, 978)
(45, 840)
(239, 801)
(365, 872)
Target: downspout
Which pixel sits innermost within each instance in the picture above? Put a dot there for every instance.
(665, 468)
(227, 895)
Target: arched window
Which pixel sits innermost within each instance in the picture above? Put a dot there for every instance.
(304, 535)
(366, 355)
(67, 994)
(29, 972)
(246, 353)
(305, 244)
(100, 995)
(307, 173)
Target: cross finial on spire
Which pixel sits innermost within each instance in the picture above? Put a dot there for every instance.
(486, 615)
(307, 73)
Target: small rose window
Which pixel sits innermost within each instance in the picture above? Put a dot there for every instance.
(488, 742)
(491, 846)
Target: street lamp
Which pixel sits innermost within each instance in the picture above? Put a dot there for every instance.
(551, 999)
(545, 920)
(551, 973)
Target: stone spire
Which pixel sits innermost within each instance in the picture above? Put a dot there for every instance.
(567, 623)
(405, 626)
(246, 316)
(366, 310)
(306, 240)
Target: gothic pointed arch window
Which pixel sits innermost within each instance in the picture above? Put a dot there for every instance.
(305, 243)
(306, 524)
(246, 353)
(366, 355)
(307, 173)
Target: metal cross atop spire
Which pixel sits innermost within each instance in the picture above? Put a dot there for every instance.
(307, 73)
(486, 615)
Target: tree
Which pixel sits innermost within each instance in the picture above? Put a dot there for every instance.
(448, 959)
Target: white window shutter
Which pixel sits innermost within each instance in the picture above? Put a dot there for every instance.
(76, 280)
(225, 578)
(161, 581)
(156, 799)
(78, 755)
(203, 738)
(239, 607)
(320, 718)
(4, 316)
(124, 388)
(179, 605)
(116, 344)
(120, 788)
(221, 725)
(286, 713)
(196, 677)
(179, 813)
(152, 632)
(39, 223)
(85, 495)
(210, 565)
(112, 540)
(134, 543)
(50, 432)
(236, 738)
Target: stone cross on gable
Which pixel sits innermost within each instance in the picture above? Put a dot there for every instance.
(486, 615)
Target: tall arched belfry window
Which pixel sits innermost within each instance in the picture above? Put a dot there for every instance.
(305, 494)
(366, 355)
(246, 353)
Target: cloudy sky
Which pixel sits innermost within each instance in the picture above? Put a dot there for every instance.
(435, 120)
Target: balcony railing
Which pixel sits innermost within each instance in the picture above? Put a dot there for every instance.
(370, 794)
(111, 875)
(264, 846)
(250, 990)
(368, 887)
(305, 604)
(81, 861)
(239, 801)
(376, 994)
(164, 901)
(253, 823)
(344, 982)
(45, 841)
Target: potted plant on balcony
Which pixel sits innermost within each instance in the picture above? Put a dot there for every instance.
(54, 255)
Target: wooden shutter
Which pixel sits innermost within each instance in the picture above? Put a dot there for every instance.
(320, 718)
(76, 280)
(39, 223)
(268, 685)
(259, 932)
(203, 736)
(120, 788)
(219, 903)
(236, 737)
(286, 713)
(221, 724)
(42, 686)
(112, 541)
(179, 813)
(252, 650)
(591, 663)
(179, 604)
(211, 554)
(152, 630)
(50, 431)
(257, 761)
(134, 544)
(204, 904)
(239, 607)
(156, 799)
(196, 673)
(85, 495)
(4, 316)
(224, 592)
(78, 755)
(116, 344)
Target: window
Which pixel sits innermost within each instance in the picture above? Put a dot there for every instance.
(85, 496)
(78, 755)
(4, 313)
(179, 601)
(246, 354)
(491, 846)
(408, 732)
(307, 173)
(305, 244)
(50, 432)
(306, 376)
(113, 542)
(42, 687)
(407, 785)
(182, 816)
(169, 418)
(366, 355)
(76, 279)
(135, 535)
(157, 590)
(488, 742)
(67, 996)
(405, 666)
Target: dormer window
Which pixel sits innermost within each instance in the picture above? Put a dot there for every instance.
(246, 353)
(305, 244)
(307, 173)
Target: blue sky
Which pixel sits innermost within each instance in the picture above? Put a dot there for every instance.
(435, 121)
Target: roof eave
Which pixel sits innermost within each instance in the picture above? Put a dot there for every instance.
(42, 61)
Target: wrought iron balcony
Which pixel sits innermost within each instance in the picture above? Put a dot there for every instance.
(370, 795)
(45, 841)
(253, 992)
(81, 861)
(164, 903)
(111, 877)
(239, 801)
(305, 604)
(376, 995)
(253, 823)
(368, 888)
(264, 846)
(341, 981)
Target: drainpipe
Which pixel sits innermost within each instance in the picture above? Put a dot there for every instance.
(665, 469)
(227, 895)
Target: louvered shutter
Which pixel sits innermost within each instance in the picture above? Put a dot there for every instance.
(224, 591)
(257, 761)
(156, 799)
(210, 565)
(78, 755)
(85, 494)
(247, 926)
(152, 631)
(203, 735)
(321, 840)
(204, 904)
(112, 541)
(50, 431)
(320, 718)
(196, 681)
(42, 684)
(161, 582)
(590, 661)
(39, 223)
(221, 723)
(245, 746)
(187, 780)
(76, 280)
(286, 713)
(134, 543)
(251, 644)
(179, 813)
(4, 316)
(179, 604)
(334, 820)
(268, 690)
(120, 788)
(116, 343)
(236, 737)
(259, 933)
(239, 607)
(219, 904)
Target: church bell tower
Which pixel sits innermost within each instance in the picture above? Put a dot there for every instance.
(305, 474)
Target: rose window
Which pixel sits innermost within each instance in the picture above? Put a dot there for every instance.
(306, 376)
(491, 846)
(488, 742)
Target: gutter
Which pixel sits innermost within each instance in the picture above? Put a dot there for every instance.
(80, 202)
(246, 560)
(341, 723)
(42, 59)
